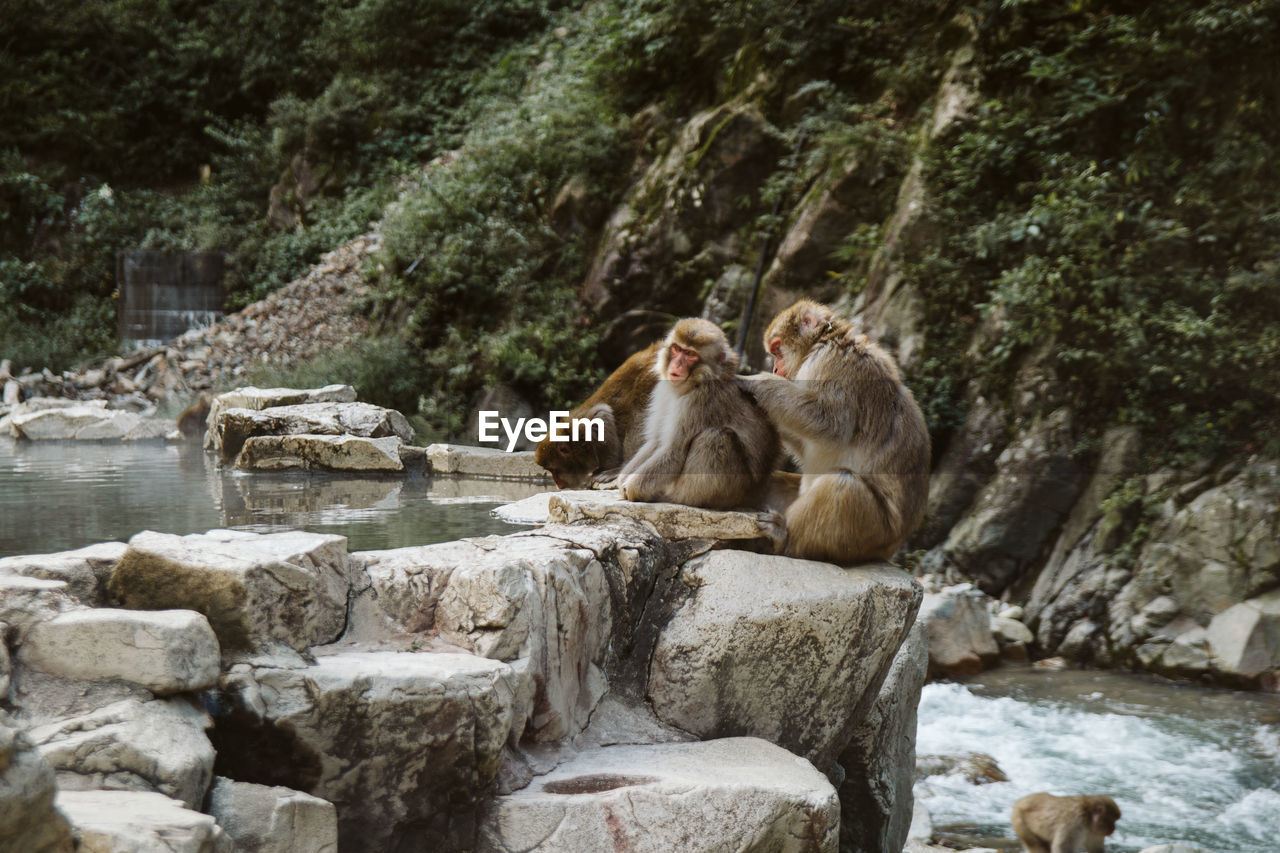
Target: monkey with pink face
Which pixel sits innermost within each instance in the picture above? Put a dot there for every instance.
(706, 442)
(856, 432)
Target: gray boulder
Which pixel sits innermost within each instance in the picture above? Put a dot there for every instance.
(255, 589)
(134, 745)
(140, 822)
(793, 651)
(28, 819)
(231, 428)
(260, 819)
(730, 794)
(405, 745)
(320, 453)
(960, 637)
(85, 570)
(165, 651)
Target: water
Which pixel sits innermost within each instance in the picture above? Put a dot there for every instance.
(1184, 763)
(55, 496)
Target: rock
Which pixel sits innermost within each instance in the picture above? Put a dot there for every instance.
(1218, 551)
(230, 428)
(255, 589)
(1035, 486)
(758, 632)
(1011, 632)
(876, 800)
(1245, 641)
(85, 570)
(960, 638)
(731, 794)
(28, 820)
(462, 461)
(320, 453)
(165, 651)
(251, 397)
(977, 768)
(536, 509)
(535, 602)
(404, 745)
(140, 822)
(26, 601)
(669, 520)
(6, 665)
(139, 746)
(260, 819)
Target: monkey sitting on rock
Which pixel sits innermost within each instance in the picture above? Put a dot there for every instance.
(706, 443)
(856, 432)
(1048, 824)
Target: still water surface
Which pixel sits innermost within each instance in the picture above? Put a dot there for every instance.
(55, 496)
(1184, 763)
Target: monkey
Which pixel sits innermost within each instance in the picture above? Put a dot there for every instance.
(856, 433)
(1048, 824)
(706, 443)
(619, 402)
(191, 423)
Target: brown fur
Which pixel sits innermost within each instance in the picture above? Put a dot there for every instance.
(1048, 824)
(192, 421)
(620, 402)
(706, 443)
(856, 432)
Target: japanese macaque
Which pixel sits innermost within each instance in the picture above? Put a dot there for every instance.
(856, 433)
(192, 421)
(1048, 824)
(705, 442)
(620, 402)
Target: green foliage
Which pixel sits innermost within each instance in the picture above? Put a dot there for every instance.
(381, 369)
(1109, 200)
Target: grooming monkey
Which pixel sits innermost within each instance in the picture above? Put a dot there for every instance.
(619, 402)
(705, 442)
(1048, 824)
(856, 432)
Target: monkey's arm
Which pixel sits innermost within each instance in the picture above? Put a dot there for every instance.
(811, 407)
(649, 480)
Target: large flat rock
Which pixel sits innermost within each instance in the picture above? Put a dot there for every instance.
(793, 651)
(156, 746)
(669, 520)
(88, 422)
(255, 589)
(731, 794)
(165, 651)
(140, 822)
(405, 745)
(463, 461)
(262, 819)
(320, 453)
(536, 509)
(229, 429)
(85, 570)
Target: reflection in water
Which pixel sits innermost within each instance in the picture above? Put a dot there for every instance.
(56, 496)
(1184, 763)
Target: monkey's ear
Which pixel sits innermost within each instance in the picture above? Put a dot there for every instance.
(813, 317)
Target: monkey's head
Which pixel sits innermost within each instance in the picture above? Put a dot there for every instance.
(794, 332)
(570, 463)
(694, 351)
(1103, 814)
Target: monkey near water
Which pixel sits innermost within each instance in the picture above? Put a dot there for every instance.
(620, 402)
(1048, 824)
(705, 442)
(856, 432)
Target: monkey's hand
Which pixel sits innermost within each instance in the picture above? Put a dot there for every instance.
(605, 479)
(774, 527)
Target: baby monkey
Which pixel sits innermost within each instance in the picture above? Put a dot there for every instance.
(706, 443)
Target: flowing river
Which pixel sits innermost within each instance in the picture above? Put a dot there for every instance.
(55, 496)
(1184, 763)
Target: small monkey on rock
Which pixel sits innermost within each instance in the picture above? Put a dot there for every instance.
(620, 403)
(856, 432)
(705, 442)
(1048, 824)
